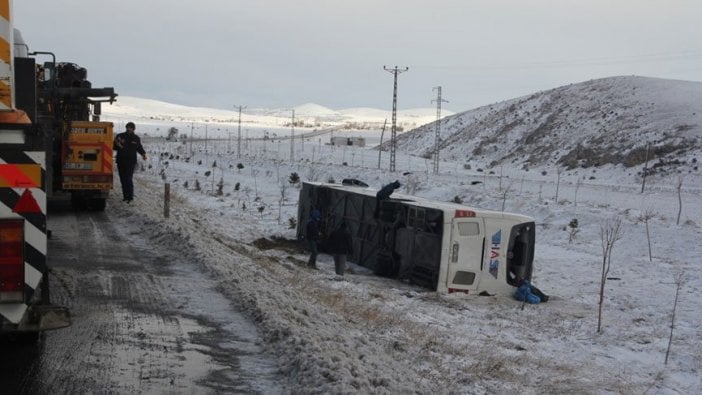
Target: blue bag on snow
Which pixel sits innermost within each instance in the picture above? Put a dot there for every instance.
(523, 293)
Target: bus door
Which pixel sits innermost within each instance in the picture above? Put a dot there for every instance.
(466, 254)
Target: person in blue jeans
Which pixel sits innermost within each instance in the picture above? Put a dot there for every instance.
(312, 237)
(128, 145)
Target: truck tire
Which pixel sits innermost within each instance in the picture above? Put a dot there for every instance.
(98, 204)
(78, 202)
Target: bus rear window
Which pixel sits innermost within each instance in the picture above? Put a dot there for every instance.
(468, 228)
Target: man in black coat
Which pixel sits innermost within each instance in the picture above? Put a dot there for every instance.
(340, 245)
(384, 194)
(312, 236)
(127, 145)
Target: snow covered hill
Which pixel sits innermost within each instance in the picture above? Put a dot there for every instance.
(604, 122)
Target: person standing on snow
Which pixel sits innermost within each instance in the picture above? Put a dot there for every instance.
(340, 245)
(128, 144)
(312, 236)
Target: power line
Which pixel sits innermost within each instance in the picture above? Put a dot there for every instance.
(563, 63)
(393, 135)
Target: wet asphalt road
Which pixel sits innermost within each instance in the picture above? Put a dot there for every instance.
(144, 321)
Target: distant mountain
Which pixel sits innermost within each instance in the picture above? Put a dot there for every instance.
(609, 121)
(309, 114)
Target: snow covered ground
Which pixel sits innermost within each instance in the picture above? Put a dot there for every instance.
(366, 334)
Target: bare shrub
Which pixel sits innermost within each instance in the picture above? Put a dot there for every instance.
(645, 217)
(610, 232)
(679, 279)
(678, 186)
(573, 226)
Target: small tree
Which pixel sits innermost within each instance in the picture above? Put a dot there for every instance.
(283, 188)
(239, 166)
(292, 222)
(313, 173)
(679, 279)
(294, 178)
(645, 217)
(172, 134)
(412, 184)
(558, 182)
(573, 226)
(645, 168)
(220, 186)
(679, 188)
(610, 232)
(578, 182)
(504, 195)
(260, 209)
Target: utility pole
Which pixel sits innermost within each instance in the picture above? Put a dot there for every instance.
(393, 135)
(292, 137)
(380, 149)
(238, 140)
(191, 140)
(437, 139)
(206, 153)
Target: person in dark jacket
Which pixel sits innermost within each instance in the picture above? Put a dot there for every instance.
(128, 145)
(384, 194)
(340, 245)
(312, 236)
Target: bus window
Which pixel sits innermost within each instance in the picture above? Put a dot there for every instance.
(415, 217)
(468, 228)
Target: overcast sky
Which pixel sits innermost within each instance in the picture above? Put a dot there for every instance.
(284, 53)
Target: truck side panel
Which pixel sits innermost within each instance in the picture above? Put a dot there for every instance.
(22, 196)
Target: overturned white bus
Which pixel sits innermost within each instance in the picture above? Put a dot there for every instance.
(443, 246)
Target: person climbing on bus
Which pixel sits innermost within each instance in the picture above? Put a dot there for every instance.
(384, 194)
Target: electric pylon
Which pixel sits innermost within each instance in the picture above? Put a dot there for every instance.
(238, 139)
(393, 135)
(437, 139)
(292, 137)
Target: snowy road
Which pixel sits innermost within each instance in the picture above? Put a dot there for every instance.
(145, 320)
